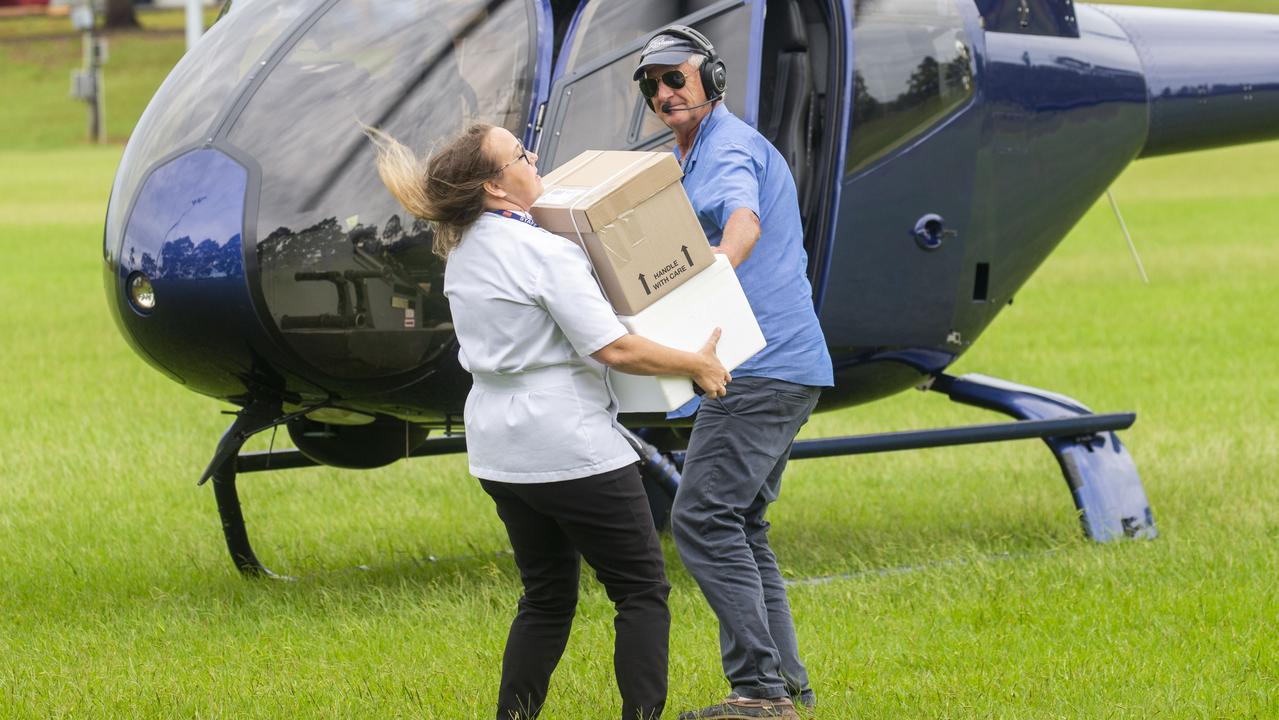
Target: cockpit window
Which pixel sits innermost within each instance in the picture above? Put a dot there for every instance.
(601, 107)
(279, 88)
(913, 67)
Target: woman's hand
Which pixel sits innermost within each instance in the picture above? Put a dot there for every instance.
(640, 356)
(711, 376)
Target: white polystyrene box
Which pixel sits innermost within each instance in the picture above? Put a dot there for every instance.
(684, 320)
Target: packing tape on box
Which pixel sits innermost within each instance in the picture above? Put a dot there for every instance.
(572, 216)
(624, 235)
(572, 209)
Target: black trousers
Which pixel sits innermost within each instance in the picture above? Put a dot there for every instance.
(606, 520)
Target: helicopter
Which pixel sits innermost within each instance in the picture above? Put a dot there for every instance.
(941, 150)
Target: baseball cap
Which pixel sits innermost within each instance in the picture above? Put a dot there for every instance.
(665, 50)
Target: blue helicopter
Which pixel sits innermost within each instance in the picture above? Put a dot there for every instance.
(941, 149)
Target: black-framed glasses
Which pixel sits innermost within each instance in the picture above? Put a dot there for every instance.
(673, 79)
(522, 156)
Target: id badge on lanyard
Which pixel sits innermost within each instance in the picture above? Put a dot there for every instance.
(514, 216)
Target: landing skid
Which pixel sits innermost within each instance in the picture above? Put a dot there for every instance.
(237, 537)
(1101, 475)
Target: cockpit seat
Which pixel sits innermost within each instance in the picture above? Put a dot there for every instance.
(790, 115)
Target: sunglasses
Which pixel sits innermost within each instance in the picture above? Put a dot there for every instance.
(522, 156)
(673, 79)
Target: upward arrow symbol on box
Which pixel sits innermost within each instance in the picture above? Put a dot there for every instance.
(645, 284)
(687, 257)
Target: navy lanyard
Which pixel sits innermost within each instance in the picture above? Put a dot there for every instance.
(514, 216)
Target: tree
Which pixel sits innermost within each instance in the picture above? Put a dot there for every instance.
(120, 14)
(924, 83)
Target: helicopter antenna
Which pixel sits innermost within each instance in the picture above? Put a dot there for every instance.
(1131, 246)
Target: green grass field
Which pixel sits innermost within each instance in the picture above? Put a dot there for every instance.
(955, 583)
(968, 591)
(37, 56)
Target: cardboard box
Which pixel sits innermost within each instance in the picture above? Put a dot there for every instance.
(684, 319)
(629, 212)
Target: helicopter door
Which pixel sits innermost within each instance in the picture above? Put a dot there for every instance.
(594, 103)
(908, 179)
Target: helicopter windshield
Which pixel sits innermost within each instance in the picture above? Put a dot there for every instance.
(336, 255)
(419, 70)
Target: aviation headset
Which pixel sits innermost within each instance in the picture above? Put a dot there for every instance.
(714, 72)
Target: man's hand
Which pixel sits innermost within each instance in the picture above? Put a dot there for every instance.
(711, 376)
(740, 234)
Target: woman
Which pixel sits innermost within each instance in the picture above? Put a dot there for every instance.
(540, 426)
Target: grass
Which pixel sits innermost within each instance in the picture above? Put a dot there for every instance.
(964, 588)
(1256, 6)
(956, 581)
(37, 56)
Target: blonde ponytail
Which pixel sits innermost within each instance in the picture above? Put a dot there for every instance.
(447, 191)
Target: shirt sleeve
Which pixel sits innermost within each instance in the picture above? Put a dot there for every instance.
(567, 290)
(733, 182)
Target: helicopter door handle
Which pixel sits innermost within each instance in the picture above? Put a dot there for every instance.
(930, 232)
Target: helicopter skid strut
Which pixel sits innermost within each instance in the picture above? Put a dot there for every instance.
(228, 462)
(1102, 477)
(237, 537)
(223, 469)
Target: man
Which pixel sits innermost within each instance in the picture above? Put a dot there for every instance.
(744, 195)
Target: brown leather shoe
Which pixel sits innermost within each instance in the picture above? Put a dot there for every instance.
(739, 708)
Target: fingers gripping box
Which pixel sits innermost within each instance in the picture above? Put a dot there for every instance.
(684, 319)
(629, 212)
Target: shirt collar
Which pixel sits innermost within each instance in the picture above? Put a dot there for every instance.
(708, 124)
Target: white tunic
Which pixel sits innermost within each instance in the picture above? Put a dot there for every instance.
(528, 313)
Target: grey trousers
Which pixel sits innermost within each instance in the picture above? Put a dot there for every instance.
(736, 454)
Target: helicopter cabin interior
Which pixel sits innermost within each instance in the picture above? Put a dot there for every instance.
(780, 80)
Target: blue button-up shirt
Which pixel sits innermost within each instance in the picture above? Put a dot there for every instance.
(731, 166)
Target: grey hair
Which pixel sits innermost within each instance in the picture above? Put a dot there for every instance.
(696, 61)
